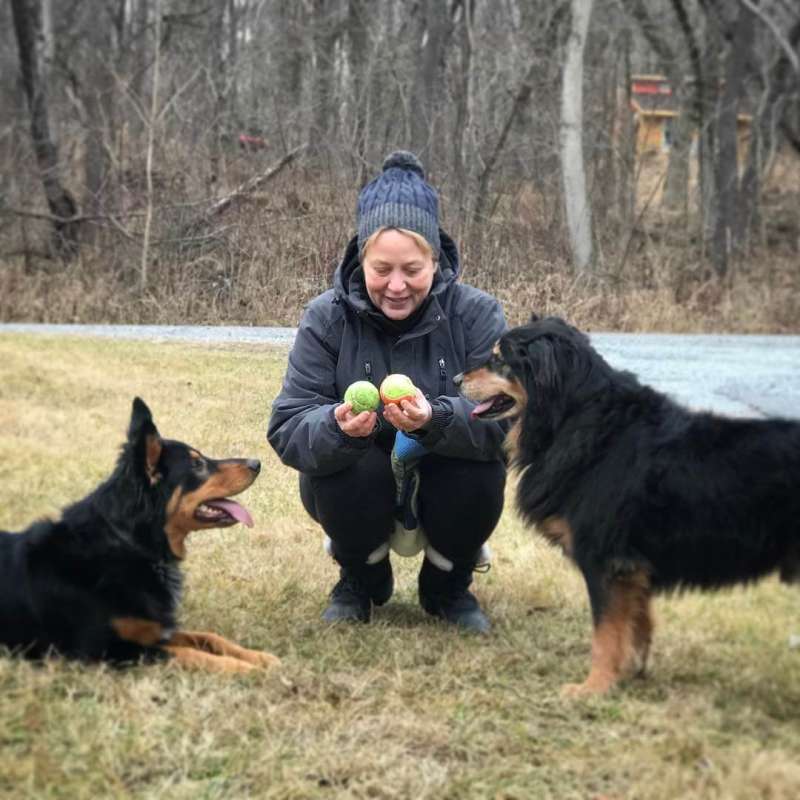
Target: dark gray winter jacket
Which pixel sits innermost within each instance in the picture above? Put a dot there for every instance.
(343, 338)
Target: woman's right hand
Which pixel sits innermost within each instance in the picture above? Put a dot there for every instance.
(357, 425)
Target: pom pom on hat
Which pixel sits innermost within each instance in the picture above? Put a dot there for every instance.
(402, 159)
(399, 198)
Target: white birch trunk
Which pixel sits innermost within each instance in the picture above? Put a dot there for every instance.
(579, 217)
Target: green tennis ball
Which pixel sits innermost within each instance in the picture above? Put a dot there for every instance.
(397, 387)
(363, 396)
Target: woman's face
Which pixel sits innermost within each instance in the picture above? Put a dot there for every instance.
(398, 274)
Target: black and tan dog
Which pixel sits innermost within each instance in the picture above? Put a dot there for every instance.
(103, 583)
(642, 494)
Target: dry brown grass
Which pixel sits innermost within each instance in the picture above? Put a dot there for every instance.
(397, 709)
(268, 255)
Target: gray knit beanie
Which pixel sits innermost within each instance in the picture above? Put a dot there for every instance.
(399, 198)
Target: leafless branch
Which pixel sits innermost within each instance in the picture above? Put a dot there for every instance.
(776, 32)
(242, 190)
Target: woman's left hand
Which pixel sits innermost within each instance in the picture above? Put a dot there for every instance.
(409, 415)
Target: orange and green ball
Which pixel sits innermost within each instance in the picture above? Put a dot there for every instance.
(396, 388)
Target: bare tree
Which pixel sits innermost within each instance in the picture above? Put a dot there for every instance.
(217, 81)
(579, 216)
(727, 160)
(777, 86)
(358, 52)
(151, 137)
(660, 35)
(475, 87)
(34, 44)
(465, 10)
(326, 29)
(490, 162)
(426, 111)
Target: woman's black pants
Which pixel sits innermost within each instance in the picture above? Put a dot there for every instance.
(460, 503)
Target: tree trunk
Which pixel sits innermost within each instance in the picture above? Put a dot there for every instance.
(762, 142)
(676, 187)
(520, 99)
(677, 182)
(33, 46)
(579, 218)
(218, 81)
(695, 106)
(97, 97)
(324, 37)
(291, 57)
(357, 57)
(708, 83)
(727, 161)
(139, 61)
(462, 101)
(232, 66)
(429, 82)
(626, 163)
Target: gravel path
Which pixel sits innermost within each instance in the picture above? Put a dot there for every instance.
(733, 374)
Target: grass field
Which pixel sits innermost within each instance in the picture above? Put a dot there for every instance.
(402, 708)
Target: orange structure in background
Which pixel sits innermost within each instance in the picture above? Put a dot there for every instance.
(656, 110)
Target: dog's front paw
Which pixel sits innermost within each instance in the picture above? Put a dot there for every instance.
(260, 658)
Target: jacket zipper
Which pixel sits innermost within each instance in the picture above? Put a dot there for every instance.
(368, 370)
(442, 376)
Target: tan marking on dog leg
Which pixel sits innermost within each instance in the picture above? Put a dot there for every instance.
(219, 645)
(145, 632)
(191, 658)
(614, 653)
(642, 633)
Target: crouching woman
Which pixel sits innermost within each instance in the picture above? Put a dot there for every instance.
(396, 306)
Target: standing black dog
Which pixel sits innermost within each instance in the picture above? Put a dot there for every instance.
(103, 583)
(642, 494)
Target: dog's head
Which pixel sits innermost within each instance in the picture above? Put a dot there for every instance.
(176, 489)
(535, 368)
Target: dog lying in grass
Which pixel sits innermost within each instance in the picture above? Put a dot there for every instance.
(104, 583)
(641, 494)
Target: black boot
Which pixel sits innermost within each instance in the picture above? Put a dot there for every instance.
(446, 595)
(358, 588)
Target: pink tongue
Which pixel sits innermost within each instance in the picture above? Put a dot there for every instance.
(234, 509)
(481, 407)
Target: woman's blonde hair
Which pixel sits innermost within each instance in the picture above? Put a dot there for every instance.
(421, 241)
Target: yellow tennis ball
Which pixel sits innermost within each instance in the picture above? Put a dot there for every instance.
(363, 396)
(397, 387)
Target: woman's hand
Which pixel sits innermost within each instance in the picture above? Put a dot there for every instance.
(409, 415)
(357, 425)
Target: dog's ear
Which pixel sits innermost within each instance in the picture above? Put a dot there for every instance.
(144, 440)
(544, 355)
(533, 361)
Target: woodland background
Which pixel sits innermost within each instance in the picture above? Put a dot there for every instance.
(198, 162)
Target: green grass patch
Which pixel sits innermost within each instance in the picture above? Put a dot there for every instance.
(398, 709)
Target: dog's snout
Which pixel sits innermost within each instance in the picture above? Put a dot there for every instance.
(458, 379)
(254, 464)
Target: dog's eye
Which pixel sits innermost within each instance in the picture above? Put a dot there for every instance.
(198, 465)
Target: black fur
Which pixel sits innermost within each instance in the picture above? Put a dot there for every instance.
(63, 584)
(642, 494)
(696, 499)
